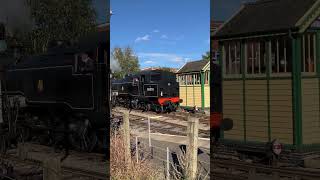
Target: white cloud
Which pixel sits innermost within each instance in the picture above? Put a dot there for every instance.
(143, 38)
(208, 41)
(156, 31)
(149, 62)
(163, 57)
(163, 36)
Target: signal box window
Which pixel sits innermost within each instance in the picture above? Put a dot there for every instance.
(255, 57)
(207, 77)
(280, 56)
(231, 58)
(197, 78)
(308, 53)
(189, 79)
(181, 79)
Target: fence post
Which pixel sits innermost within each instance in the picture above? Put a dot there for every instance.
(137, 149)
(192, 150)
(149, 136)
(126, 136)
(168, 163)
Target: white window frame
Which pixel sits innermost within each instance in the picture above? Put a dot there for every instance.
(230, 65)
(278, 74)
(305, 71)
(254, 57)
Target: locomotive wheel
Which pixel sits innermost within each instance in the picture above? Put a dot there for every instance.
(147, 107)
(134, 105)
(170, 107)
(159, 109)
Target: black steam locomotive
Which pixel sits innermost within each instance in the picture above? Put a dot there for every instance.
(155, 90)
(47, 96)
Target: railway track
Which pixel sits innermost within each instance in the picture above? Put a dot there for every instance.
(173, 124)
(234, 169)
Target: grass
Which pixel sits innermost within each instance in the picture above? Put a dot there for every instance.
(142, 170)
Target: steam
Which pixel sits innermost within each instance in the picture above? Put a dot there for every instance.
(16, 15)
(114, 65)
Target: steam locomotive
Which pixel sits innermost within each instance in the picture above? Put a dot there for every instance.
(45, 97)
(155, 90)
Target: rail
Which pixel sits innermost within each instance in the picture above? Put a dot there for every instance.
(65, 169)
(253, 169)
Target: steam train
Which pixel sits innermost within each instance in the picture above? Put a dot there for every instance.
(155, 90)
(46, 98)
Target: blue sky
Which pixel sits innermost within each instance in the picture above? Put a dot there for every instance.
(162, 33)
(101, 7)
(224, 9)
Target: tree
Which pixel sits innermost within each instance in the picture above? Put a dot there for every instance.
(60, 20)
(128, 62)
(206, 56)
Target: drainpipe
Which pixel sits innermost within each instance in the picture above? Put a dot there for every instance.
(296, 93)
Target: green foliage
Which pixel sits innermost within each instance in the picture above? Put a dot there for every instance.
(206, 56)
(127, 60)
(60, 20)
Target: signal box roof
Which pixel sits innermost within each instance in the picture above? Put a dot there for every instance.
(267, 16)
(194, 66)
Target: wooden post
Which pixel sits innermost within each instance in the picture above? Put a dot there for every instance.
(126, 138)
(192, 151)
(168, 163)
(149, 131)
(137, 150)
(52, 169)
(149, 136)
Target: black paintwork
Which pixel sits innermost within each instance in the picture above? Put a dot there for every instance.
(51, 81)
(148, 84)
(156, 79)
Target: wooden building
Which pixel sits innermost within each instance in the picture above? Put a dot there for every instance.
(270, 59)
(194, 89)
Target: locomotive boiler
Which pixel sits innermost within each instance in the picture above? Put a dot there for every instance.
(155, 90)
(46, 96)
